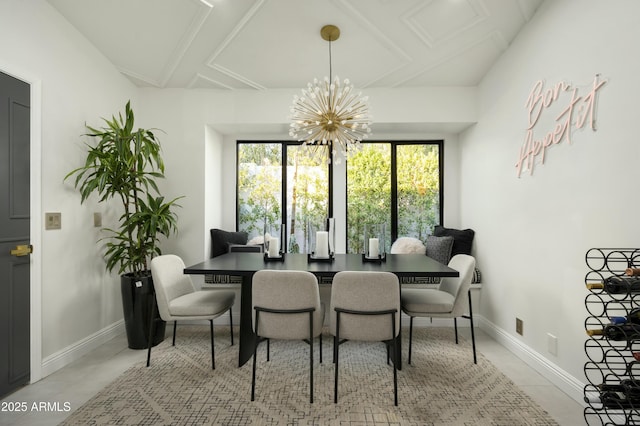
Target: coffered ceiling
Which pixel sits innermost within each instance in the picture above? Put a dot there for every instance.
(271, 44)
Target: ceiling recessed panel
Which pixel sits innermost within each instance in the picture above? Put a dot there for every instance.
(274, 44)
(465, 68)
(141, 36)
(439, 20)
(283, 48)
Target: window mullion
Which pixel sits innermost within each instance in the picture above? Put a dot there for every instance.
(283, 200)
(394, 193)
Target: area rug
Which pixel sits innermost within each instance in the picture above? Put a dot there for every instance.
(442, 387)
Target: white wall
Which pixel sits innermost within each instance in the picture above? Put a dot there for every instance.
(76, 84)
(532, 232)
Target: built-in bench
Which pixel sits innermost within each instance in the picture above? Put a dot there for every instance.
(441, 246)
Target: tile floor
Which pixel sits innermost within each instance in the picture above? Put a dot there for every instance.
(79, 381)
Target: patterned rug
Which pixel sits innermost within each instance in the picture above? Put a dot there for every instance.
(442, 387)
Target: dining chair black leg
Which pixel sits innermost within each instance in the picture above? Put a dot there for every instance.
(152, 323)
(473, 335)
(255, 356)
(213, 356)
(336, 355)
(410, 338)
(268, 349)
(395, 359)
(455, 326)
(175, 323)
(320, 348)
(311, 357)
(231, 325)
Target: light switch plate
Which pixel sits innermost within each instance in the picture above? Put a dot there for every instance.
(52, 221)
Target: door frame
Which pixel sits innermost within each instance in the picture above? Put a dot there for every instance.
(35, 228)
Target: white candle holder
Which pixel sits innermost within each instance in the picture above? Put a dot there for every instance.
(274, 240)
(320, 241)
(374, 243)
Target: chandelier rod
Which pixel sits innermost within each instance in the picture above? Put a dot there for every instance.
(331, 92)
(330, 33)
(330, 65)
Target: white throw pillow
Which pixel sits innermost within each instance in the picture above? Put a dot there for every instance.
(406, 245)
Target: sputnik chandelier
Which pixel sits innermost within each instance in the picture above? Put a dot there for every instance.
(329, 112)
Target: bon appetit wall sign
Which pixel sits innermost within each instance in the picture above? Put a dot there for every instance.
(565, 108)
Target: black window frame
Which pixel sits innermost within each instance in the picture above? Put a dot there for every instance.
(394, 181)
(284, 157)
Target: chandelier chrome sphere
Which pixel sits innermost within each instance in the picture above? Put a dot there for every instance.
(330, 112)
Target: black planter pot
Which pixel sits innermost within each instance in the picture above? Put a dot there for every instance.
(137, 295)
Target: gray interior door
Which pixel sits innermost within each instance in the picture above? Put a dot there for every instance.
(14, 234)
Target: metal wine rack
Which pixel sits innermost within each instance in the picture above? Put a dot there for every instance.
(610, 362)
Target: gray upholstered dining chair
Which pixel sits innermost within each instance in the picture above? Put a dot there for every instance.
(365, 306)
(178, 300)
(286, 305)
(447, 301)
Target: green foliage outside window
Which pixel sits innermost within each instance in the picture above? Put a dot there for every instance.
(369, 190)
(260, 190)
(308, 197)
(369, 185)
(259, 186)
(418, 190)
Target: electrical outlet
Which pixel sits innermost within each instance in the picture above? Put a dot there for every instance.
(519, 326)
(552, 344)
(52, 221)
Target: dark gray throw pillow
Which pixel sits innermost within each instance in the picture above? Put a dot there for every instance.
(439, 248)
(220, 240)
(462, 238)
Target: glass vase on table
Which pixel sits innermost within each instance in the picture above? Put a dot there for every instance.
(320, 241)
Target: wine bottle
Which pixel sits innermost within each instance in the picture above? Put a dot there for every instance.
(626, 385)
(626, 331)
(634, 316)
(617, 399)
(618, 332)
(622, 395)
(618, 285)
(632, 272)
(620, 320)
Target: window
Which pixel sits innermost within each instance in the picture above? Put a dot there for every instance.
(264, 186)
(395, 183)
(368, 192)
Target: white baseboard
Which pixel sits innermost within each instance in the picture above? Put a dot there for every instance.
(560, 378)
(74, 352)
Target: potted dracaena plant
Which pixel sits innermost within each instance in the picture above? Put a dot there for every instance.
(125, 164)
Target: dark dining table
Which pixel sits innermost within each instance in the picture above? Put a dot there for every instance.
(246, 264)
